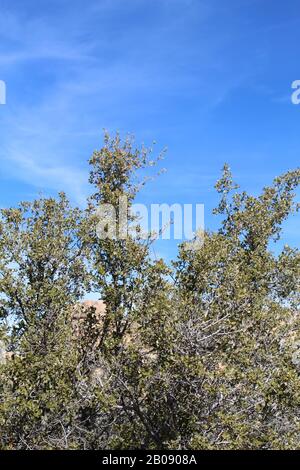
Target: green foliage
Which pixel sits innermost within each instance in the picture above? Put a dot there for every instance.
(42, 263)
(203, 354)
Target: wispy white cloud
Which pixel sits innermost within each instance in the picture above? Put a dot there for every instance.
(46, 176)
(109, 64)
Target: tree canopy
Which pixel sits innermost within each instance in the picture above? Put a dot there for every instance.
(200, 354)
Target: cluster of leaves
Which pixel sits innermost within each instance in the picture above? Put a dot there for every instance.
(202, 354)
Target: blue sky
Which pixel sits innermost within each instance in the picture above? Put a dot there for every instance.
(209, 79)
